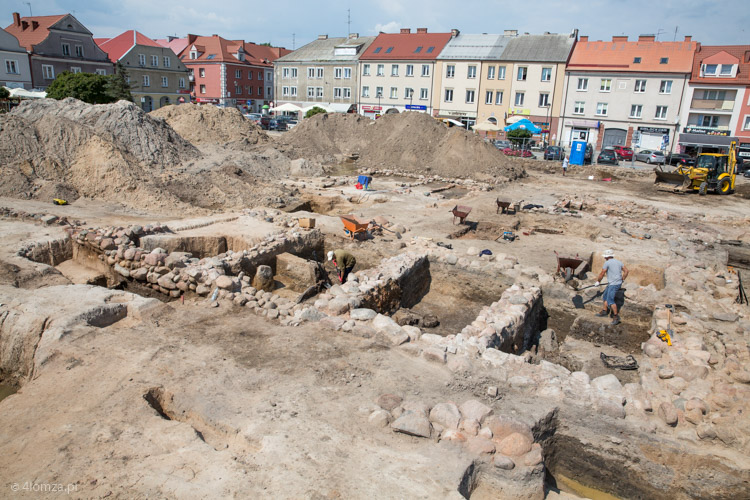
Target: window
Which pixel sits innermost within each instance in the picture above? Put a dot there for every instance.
(201, 72)
(664, 60)
(141, 59)
(519, 98)
(606, 85)
(311, 72)
(79, 50)
(165, 81)
(389, 50)
(710, 69)
(154, 60)
(583, 84)
(469, 96)
(488, 97)
(418, 50)
(311, 92)
(491, 73)
(347, 73)
(102, 72)
(726, 69)
(238, 73)
(522, 73)
(366, 70)
(409, 70)
(746, 125)
(75, 69)
(193, 55)
(408, 93)
(11, 66)
(167, 62)
(661, 113)
(182, 83)
(499, 97)
(423, 94)
(708, 121)
(579, 108)
(203, 89)
(347, 92)
(394, 92)
(714, 95)
(365, 91)
(430, 49)
(472, 72)
(284, 91)
(501, 72)
(294, 74)
(601, 108)
(448, 95)
(319, 72)
(338, 73)
(636, 60)
(377, 50)
(640, 86)
(238, 90)
(381, 70)
(543, 99)
(546, 74)
(48, 72)
(426, 69)
(285, 72)
(450, 71)
(66, 49)
(146, 81)
(394, 69)
(665, 87)
(636, 110)
(268, 91)
(337, 92)
(378, 91)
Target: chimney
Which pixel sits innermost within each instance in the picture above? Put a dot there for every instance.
(322, 37)
(17, 19)
(34, 25)
(620, 38)
(510, 32)
(454, 33)
(191, 38)
(646, 38)
(421, 30)
(353, 35)
(747, 56)
(584, 38)
(688, 38)
(404, 31)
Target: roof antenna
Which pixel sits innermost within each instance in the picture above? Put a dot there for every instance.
(348, 22)
(659, 32)
(293, 41)
(29, 4)
(675, 33)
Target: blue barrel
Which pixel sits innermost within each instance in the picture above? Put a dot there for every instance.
(577, 152)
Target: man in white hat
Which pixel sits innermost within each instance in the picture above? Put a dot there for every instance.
(344, 262)
(616, 272)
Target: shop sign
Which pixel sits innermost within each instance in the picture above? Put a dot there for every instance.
(654, 130)
(705, 131)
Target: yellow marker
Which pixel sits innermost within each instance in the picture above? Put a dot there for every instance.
(664, 336)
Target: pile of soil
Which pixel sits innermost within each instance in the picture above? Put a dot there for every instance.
(212, 125)
(412, 142)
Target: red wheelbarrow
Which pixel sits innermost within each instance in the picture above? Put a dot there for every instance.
(460, 212)
(569, 267)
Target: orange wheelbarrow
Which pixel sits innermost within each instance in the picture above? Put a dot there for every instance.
(354, 226)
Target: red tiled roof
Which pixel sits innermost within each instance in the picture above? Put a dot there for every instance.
(257, 54)
(176, 44)
(119, 46)
(722, 54)
(400, 46)
(620, 55)
(220, 48)
(31, 35)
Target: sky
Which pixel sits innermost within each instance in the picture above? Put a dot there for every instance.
(294, 23)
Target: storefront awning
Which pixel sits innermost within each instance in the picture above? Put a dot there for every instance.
(705, 140)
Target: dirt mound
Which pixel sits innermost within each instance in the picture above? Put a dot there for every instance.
(408, 141)
(150, 141)
(210, 124)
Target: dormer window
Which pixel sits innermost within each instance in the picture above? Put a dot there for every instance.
(636, 60)
(664, 60)
(710, 69)
(193, 54)
(726, 70)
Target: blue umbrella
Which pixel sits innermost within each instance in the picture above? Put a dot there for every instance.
(524, 125)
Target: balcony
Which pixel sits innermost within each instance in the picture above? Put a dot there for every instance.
(712, 105)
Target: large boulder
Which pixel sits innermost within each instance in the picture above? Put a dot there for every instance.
(263, 279)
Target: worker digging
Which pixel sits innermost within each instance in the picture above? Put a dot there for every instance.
(616, 273)
(344, 263)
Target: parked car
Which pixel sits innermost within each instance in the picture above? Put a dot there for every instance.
(588, 155)
(650, 156)
(554, 153)
(500, 144)
(623, 153)
(608, 156)
(265, 122)
(254, 117)
(291, 124)
(680, 160)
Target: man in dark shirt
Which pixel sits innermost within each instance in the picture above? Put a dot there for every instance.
(344, 262)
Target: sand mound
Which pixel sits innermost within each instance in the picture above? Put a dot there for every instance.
(410, 141)
(210, 124)
(150, 141)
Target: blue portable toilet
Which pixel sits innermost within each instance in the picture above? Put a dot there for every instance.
(577, 152)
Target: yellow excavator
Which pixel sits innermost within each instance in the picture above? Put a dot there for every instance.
(712, 172)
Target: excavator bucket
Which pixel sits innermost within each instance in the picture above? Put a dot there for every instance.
(672, 181)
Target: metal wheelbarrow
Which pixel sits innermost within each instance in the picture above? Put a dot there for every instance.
(505, 206)
(354, 226)
(460, 212)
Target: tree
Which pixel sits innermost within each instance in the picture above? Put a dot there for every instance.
(519, 136)
(90, 87)
(4, 93)
(118, 87)
(316, 110)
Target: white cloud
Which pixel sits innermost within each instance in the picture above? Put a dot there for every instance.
(392, 27)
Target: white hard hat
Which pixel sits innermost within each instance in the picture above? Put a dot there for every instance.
(608, 253)
(330, 255)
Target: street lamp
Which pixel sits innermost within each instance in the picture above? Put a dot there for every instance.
(548, 118)
(380, 110)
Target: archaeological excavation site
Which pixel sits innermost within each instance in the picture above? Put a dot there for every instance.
(177, 328)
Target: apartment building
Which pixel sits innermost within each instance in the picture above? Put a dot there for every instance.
(462, 66)
(55, 44)
(156, 75)
(323, 72)
(262, 58)
(397, 72)
(15, 72)
(717, 100)
(613, 89)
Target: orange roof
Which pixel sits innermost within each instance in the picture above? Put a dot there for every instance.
(400, 46)
(644, 55)
(120, 45)
(32, 30)
(176, 44)
(722, 54)
(263, 54)
(211, 48)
